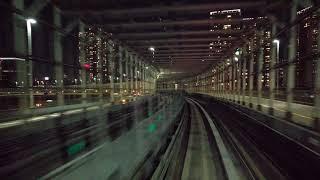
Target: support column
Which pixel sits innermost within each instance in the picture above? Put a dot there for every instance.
(223, 82)
(316, 107)
(239, 71)
(58, 57)
(244, 78)
(136, 73)
(143, 78)
(112, 71)
(99, 66)
(127, 63)
(292, 47)
(234, 80)
(120, 51)
(251, 76)
(20, 49)
(230, 73)
(260, 73)
(82, 60)
(131, 74)
(272, 80)
(219, 80)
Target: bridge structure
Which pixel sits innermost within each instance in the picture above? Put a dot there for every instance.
(159, 89)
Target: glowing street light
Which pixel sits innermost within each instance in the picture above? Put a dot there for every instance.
(276, 41)
(152, 49)
(30, 21)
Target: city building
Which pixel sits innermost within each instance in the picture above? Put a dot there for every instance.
(96, 54)
(307, 50)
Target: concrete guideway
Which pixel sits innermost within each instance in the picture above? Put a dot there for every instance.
(230, 167)
(199, 160)
(302, 114)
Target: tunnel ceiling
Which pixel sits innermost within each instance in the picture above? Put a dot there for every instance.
(180, 31)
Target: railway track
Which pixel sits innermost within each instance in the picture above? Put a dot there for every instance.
(198, 151)
(267, 153)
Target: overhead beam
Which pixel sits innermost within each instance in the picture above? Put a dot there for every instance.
(206, 45)
(147, 35)
(36, 6)
(207, 50)
(184, 54)
(176, 40)
(148, 25)
(147, 11)
(186, 57)
(188, 60)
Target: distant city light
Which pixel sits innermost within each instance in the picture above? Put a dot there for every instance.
(46, 78)
(237, 53)
(86, 66)
(236, 59)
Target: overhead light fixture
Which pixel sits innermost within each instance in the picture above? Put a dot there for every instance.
(31, 21)
(276, 41)
(152, 49)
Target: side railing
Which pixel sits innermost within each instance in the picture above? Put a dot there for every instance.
(38, 145)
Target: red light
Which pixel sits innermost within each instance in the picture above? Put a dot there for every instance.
(87, 66)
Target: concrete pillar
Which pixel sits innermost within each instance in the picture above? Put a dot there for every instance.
(230, 72)
(143, 69)
(58, 56)
(131, 73)
(272, 80)
(127, 63)
(112, 71)
(82, 60)
(316, 107)
(244, 79)
(20, 48)
(136, 73)
(292, 47)
(223, 81)
(219, 81)
(260, 73)
(99, 66)
(251, 75)
(234, 81)
(139, 73)
(239, 71)
(120, 56)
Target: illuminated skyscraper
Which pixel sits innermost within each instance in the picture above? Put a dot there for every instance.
(96, 53)
(307, 51)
